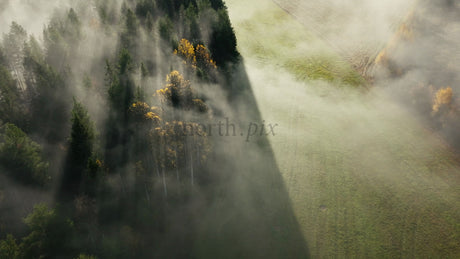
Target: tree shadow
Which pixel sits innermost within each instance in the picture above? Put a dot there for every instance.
(250, 215)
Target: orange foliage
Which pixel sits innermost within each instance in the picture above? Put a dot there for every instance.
(404, 33)
(143, 112)
(203, 57)
(186, 51)
(382, 58)
(443, 97)
(175, 79)
(176, 87)
(94, 23)
(200, 105)
(152, 117)
(198, 56)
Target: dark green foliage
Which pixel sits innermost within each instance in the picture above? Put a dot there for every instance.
(124, 214)
(32, 53)
(217, 4)
(166, 28)
(49, 104)
(149, 21)
(144, 71)
(125, 63)
(145, 7)
(172, 7)
(167, 6)
(13, 43)
(121, 95)
(121, 87)
(33, 57)
(74, 21)
(195, 33)
(61, 38)
(93, 176)
(81, 135)
(47, 77)
(49, 234)
(85, 256)
(223, 40)
(129, 38)
(11, 101)
(131, 23)
(188, 19)
(191, 12)
(2, 58)
(21, 157)
(15, 38)
(107, 11)
(80, 150)
(13, 53)
(87, 82)
(9, 248)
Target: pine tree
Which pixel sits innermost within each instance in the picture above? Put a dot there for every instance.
(121, 95)
(223, 40)
(11, 100)
(14, 55)
(81, 143)
(49, 234)
(21, 157)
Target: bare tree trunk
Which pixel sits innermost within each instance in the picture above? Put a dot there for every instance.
(158, 171)
(191, 167)
(155, 159)
(198, 155)
(122, 184)
(164, 182)
(147, 194)
(18, 77)
(177, 166)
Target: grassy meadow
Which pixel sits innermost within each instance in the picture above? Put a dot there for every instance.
(365, 178)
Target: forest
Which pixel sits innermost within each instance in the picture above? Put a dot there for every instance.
(229, 129)
(99, 114)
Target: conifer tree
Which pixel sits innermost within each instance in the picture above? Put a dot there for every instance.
(81, 143)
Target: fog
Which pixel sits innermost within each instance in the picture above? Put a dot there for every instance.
(32, 15)
(352, 155)
(331, 137)
(356, 29)
(242, 185)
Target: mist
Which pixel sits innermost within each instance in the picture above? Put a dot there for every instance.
(354, 159)
(121, 180)
(334, 152)
(32, 15)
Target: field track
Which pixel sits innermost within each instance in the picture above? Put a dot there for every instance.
(358, 37)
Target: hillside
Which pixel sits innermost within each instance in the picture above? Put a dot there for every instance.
(116, 137)
(229, 129)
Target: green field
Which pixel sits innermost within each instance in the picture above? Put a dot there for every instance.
(279, 40)
(365, 178)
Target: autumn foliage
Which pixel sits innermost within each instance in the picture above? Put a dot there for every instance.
(119, 162)
(404, 34)
(195, 56)
(176, 91)
(443, 98)
(186, 51)
(142, 112)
